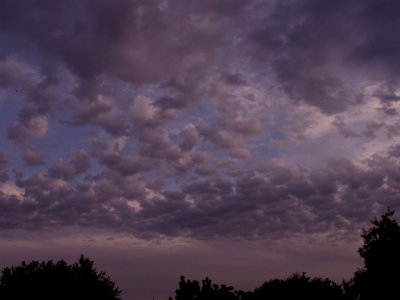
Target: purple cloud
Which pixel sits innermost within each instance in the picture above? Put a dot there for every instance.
(234, 119)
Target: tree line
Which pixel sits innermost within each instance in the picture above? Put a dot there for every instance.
(379, 278)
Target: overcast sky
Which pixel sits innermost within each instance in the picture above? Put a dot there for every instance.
(241, 140)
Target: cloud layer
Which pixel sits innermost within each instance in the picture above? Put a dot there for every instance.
(234, 119)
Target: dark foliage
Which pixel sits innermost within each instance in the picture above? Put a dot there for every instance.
(380, 277)
(207, 291)
(295, 287)
(299, 287)
(49, 280)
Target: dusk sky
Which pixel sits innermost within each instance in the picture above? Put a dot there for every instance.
(240, 140)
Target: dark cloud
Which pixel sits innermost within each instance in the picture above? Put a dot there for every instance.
(239, 125)
(4, 177)
(5, 159)
(311, 43)
(235, 79)
(101, 112)
(109, 155)
(79, 163)
(241, 154)
(31, 125)
(345, 131)
(319, 89)
(177, 147)
(285, 200)
(371, 129)
(388, 110)
(377, 47)
(33, 158)
(22, 81)
(392, 129)
(188, 137)
(219, 139)
(394, 150)
(9, 72)
(224, 7)
(130, 40)
(298, 125)
(387, 96)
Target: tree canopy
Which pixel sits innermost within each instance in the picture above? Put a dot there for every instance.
(378, 279)
(49, 280)
(294, 287)
(380, 276)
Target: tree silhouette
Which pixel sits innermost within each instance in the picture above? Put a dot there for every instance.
(295, 287)
(299, 287)
(191, 290)
(380, 277)
(49, 280)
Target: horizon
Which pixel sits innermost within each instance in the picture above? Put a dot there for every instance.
(242, 140)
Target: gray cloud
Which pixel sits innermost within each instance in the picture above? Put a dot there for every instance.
(394, 150)
(100, 112)
(371, 128)
(33, 158)
(285, 200)
(219, 139)
(188, 137)
(306, 41)
(130, 40)
(5, 159)
(176, 146)
(31, 125)
(79, 163)
(387, 96)
(110, 156)
(235, 79)
(345, 131)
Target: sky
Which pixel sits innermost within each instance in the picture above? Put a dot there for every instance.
(240, 140)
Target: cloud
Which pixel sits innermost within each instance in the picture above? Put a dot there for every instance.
(102, 112)
(312, 46)
(33, 158)
(193, 118)
(342, 129)
(30, 125)
(219, 139)
(395, 150)
(387, 94)
(109, 155)
(188, 137)
(79, 163)
(129, 41)
(5, 159)
(285, 200)
(241, 153)
(371, 128)
(12, 191)
(144, 113)
(235, 79)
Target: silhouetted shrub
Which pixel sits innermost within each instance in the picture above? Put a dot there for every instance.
(48, 280)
